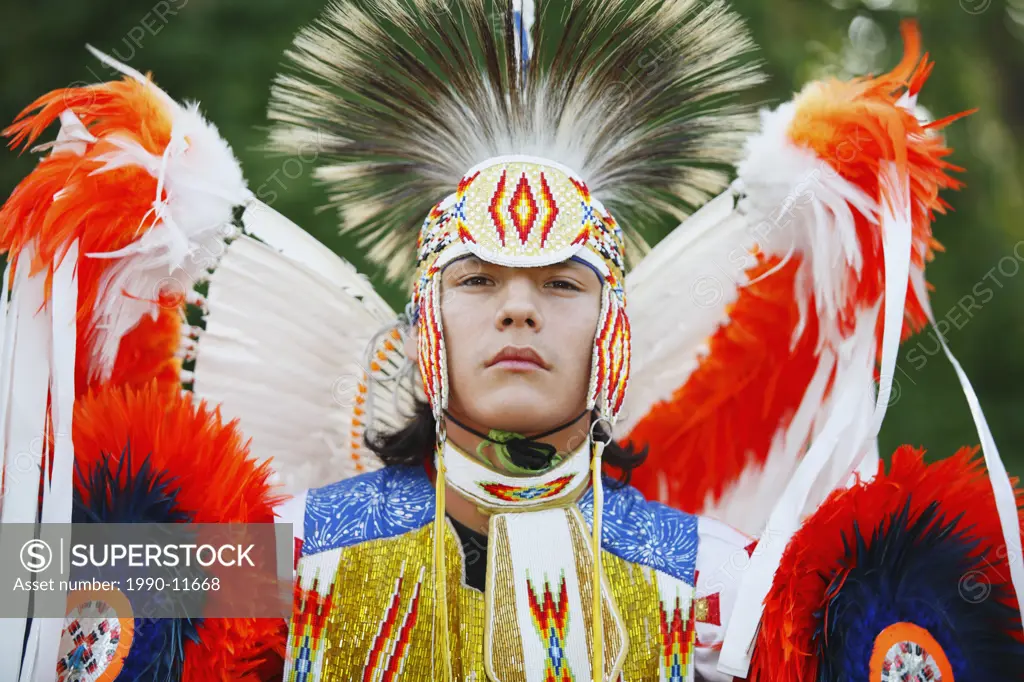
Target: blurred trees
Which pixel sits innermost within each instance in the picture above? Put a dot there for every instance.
(224, 53)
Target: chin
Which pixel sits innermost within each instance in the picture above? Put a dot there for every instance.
(520, 409)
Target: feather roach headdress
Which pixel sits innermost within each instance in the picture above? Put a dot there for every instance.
(400, 98)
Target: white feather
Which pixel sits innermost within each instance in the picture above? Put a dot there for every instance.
(287, 327)
(129, 71)
(72, 137)
(796, 200)
(185, 233)
(676, 298)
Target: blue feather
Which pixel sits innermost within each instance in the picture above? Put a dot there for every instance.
(158, 649)
(115, 497)
(913, 572)
(157, 652)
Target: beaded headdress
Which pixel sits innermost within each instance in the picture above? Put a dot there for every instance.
(520, 211)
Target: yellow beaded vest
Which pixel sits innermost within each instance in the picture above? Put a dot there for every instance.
(364, 607)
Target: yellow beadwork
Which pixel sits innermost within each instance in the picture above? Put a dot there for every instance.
(611, 645)
(701, 610)
(368, 575)
(365, 587)
(440, 562)
(519, 212)
(504, 655)
(636, 590)
(520, 209)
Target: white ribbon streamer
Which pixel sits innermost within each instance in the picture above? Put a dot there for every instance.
(27, 348)
(1002, 489)
(58, 491)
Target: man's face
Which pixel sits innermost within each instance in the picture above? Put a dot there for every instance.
(519, 342)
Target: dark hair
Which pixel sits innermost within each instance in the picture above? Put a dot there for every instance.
(415, 442)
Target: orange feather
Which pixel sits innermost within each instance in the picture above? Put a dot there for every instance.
(104, 212)
(856, 127)
(724, 417)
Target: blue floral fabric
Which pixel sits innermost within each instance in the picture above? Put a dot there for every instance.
(380, 504)
(647, 533)
(395, 500)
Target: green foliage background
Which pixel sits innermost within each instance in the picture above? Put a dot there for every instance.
(224, 53)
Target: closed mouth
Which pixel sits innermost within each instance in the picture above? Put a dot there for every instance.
(522, 357)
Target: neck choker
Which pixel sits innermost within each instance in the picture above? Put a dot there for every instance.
(495, 491)
(520, 454)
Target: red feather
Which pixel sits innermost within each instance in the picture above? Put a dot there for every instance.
(724, 417)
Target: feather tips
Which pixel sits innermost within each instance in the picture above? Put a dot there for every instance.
(219, 480)
(401, 98)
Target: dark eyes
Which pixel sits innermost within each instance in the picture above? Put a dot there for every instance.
(563, 284)
(481, 280)
(476, 280)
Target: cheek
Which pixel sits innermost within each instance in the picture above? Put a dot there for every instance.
(461, 327)
(575, 333)
(462, 314)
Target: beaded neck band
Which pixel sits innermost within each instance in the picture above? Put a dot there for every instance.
(493, 491)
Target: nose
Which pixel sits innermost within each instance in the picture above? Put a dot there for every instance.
(518, 307)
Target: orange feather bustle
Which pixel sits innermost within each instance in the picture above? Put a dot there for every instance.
(104, 212)
(140, 404)
(729, 409)
(959, 484)
(218, 481)
(750, 383)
